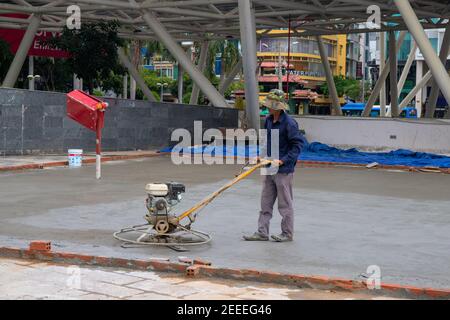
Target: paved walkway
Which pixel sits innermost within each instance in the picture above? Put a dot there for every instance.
(23, 279)
(17, 161)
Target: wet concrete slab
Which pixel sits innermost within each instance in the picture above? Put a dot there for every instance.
(346, 219)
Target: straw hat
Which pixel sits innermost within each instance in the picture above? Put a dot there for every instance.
(275, 100)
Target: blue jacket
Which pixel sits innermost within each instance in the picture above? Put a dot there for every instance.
(291, 141)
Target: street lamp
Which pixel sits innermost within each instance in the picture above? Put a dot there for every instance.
(31, 78)
(187, 45)
(162, 86)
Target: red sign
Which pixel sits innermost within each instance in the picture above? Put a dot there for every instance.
(85, 109)
(13, 37)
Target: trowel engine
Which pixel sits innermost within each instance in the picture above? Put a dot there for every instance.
(162, 197)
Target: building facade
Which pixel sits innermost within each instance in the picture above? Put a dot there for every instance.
(296, 64)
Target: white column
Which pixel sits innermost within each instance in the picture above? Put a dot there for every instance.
(132, 88)
(419, 76)
(382, 66)
(76, 82)
(395, 112)
(125, 87)
(180, 83)
(31, 72)
(248, 42)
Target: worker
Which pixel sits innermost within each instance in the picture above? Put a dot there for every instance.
(279, 185)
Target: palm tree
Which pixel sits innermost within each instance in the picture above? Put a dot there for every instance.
(157, 48)
(229, 53)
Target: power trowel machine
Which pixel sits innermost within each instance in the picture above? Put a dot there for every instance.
(165, 228)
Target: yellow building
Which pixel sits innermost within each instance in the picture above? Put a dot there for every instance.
(305, 65)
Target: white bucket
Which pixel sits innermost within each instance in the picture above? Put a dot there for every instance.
(75, 157)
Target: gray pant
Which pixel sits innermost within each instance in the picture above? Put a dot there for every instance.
(277, 186)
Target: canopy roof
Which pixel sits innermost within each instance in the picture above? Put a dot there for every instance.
(219, 19)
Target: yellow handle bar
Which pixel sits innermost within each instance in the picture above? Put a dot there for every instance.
(215, 194)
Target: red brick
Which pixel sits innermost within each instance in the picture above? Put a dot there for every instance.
(437, 293)
(250, 272)
(85, 258)
(192, 271)
(120, 262)
(177, 267)
(10, 252)
(202, 262)
(406, 289)
(102, 261)
(39, 245)
(158, 265)
(142, 264)
(345, 284)
(319, 279)
(185, 260)
(271, 275)
(297, 278)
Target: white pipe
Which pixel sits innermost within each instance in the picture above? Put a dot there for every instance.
(98, 166)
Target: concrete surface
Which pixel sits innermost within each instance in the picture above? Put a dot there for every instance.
(346, 220)
(29, 280)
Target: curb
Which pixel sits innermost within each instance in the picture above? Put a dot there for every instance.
(85, 161)
(41, 250)
(302, 163)
(323, 164)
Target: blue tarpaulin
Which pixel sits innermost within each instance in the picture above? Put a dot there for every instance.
(321, 152)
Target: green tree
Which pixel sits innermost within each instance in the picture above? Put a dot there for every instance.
(152, 78)
(6, 58)
(55, 73)
(157, 49)
(93, 51)
(229, 53)
(345, 86)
